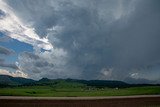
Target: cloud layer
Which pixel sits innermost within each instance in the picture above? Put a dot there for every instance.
(13, 27)
(14, 74)
(5, 51)
(92, 39)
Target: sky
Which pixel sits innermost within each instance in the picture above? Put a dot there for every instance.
(81, 39)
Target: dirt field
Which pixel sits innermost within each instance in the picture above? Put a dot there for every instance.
(133, 101)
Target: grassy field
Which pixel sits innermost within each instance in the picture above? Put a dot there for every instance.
(49, 91)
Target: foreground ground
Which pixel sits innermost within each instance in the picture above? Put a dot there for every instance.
(49, 96)
(125, 101)
(47, 91)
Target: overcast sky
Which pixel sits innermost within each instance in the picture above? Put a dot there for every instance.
(81, 39)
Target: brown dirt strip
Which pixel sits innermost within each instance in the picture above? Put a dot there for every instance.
(125, 101)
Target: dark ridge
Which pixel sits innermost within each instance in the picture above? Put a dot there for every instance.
(44, 80)
(6, 81)
(9, 80)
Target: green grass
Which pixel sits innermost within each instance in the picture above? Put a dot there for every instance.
(50, 91)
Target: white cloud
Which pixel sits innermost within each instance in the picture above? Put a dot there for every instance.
(135, 75)
(14, 74)
(106, 73)
(16, 29)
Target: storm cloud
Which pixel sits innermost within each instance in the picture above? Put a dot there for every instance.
(13, 66)
(5, 51)
(92, 39)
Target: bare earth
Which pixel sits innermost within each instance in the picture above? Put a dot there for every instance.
(118, 101)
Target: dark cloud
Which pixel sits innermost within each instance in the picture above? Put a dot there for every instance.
(135, 42)
(102, 39)
(41, 65)
(5, 51)
(2, 60)
(42, 11)
(2, 14)
(7, 65)
(29, 55)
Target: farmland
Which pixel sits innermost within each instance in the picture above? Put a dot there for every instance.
(76, 93)
(72, 88)
(49, 91)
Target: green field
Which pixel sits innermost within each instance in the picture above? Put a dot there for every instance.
(49, 91)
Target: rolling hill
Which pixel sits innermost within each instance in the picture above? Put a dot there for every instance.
(6, 81)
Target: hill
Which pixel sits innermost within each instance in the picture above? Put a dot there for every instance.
(6, 80)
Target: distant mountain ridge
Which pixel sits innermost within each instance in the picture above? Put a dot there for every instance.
(9, 80)
(6, 80)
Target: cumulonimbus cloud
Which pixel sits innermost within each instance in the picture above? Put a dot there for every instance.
(92, 39)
